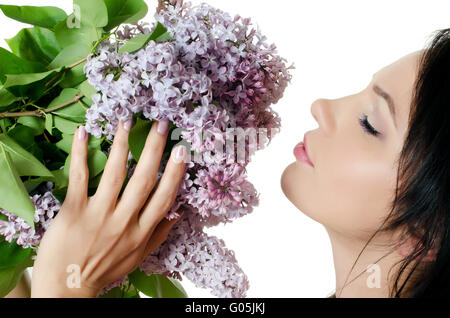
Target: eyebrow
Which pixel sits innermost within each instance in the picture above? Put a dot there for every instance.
(389, 100)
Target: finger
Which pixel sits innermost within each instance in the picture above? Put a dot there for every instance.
(166, 191)
(145, 174)
(160, 234)
(78, 169)
(116, 167)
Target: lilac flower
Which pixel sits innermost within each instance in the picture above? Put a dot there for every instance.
(201, 258)
(217, 72)
(46, 206)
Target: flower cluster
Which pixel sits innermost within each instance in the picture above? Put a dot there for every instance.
(201, 258)
(217, 73)
(15, 228)
(215, 80)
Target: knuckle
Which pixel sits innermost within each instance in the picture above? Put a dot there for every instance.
(146, 181)
(166, 204)
(135, 243)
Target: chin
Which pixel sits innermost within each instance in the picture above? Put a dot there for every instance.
(290, 181)
(286, 181)
(295, 187)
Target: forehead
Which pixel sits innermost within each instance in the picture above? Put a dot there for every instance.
(398, 80)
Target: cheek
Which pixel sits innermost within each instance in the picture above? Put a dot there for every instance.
(348, 195)
(359, 191)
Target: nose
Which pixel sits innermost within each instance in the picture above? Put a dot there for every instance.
(322, 112)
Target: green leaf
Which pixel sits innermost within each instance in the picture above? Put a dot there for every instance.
(6, 98)
(73, 112)
(23, 135)
(12, 64)
(35, 44)
(157, 286)
(64, 125)
(84, 35)
(94, 183)
(138, 16)
(25, 163)
(138, 136)
(12, 254)
(64, 96)
(135, 44)
(65, 144)
(165, 36)
(96, 161)
(87, 90)
(61, 179)
(120, 11)
(132, 293)
(70, 55)
(14, 198)
(74, 76)
(139, 41)
(49, 123)
(37, 124)
(9, 277)
(46, 17)
(27, 78)
(5, 123)
(31, 85)
(36, 151)
(92, 12)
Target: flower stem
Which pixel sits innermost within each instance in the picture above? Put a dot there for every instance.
(42, 112)
(65, 70)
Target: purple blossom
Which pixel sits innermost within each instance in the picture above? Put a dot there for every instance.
(218, 72)
(46, 206)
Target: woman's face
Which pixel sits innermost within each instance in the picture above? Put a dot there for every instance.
(351, 184)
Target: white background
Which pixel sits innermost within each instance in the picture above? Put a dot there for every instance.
(336, 46)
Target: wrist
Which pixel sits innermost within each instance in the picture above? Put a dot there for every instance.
(50, 291)
(49, 288)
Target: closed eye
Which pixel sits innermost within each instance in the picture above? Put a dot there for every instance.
(368, 128)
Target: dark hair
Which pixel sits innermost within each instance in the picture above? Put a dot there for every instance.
(421, 206)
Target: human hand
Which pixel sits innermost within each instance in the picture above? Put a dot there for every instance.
(105, 236)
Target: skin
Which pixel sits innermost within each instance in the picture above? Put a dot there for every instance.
(356, 173)
(107, 236)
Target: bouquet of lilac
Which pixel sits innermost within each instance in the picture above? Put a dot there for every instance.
(214, 78)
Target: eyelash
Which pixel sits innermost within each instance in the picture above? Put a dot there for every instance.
(367, 126)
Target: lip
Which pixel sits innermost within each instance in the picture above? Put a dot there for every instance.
(301, 152)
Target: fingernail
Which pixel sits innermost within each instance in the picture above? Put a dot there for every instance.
(163, 127)
(81, 133)
(128, 124)
(180, 153)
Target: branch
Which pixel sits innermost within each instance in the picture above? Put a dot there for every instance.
(64, 70)
(42, 112)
